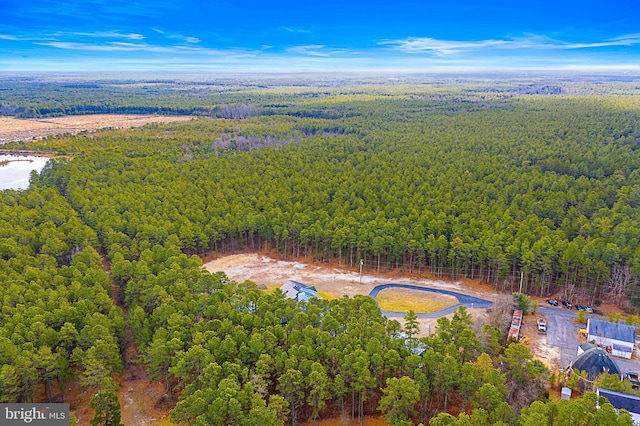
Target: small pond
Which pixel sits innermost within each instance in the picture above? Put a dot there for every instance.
(16, 169)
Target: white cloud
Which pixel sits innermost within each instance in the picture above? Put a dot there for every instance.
(294, 29)
(104, 34)
(24, 37)
(145, 48)
(318, 50)
(184, 38)
(118, 46)
(449, 47)
(439, 47)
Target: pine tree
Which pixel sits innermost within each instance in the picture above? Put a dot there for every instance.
(106, 405)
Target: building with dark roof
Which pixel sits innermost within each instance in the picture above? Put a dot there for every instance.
(623, 401)
(618, 338)
(595, 361)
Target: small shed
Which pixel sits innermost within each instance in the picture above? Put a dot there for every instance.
(625, 401)
(618, 338)
(298, 291)
(566, 393)
(595, 361)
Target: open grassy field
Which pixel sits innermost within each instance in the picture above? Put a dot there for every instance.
(403, 300)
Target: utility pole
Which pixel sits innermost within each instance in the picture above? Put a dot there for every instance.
(361, 263)
(521, 279)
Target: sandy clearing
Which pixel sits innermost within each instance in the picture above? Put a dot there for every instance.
(15, 129)
(262, 269)
(338, 281)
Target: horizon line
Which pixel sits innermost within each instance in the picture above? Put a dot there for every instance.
(598, 69)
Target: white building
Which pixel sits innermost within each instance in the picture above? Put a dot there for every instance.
(619, 339)
(298, 291)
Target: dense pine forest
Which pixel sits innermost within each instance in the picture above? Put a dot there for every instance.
(488, 180)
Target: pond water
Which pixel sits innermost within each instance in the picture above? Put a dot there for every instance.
(15, 170)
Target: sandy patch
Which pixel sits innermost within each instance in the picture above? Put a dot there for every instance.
(428, 325)
(548, 354)
(14, 129)
(537, 342)
(265, 270)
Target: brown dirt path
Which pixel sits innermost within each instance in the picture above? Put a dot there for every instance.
(141, 399)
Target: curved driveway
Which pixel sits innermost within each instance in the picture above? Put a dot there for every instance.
(463, 300)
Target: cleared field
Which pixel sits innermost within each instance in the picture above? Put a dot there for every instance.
(403, 300)
(15, 129)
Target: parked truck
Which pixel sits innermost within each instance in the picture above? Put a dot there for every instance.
(542, 326)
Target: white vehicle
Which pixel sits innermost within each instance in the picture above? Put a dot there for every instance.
(542, 326)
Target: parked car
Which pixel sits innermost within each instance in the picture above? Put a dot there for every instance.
(542, 326)
(552, 302)
(588, 309)
(634, 378)
(579, 307)
(566, 304)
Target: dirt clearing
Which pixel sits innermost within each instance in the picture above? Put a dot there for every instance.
(262, 269)
(337, 281)
(16, 129)
(549, 354)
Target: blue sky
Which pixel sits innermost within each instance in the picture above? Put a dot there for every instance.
(86, 35)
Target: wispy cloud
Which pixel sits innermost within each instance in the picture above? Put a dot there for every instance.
(145, 48)
(72, 35)
(294, 29)
(25, 37)
(186, 39)
(439, 47)
(315, 50)
(176, 36)
(104, 34)
(118, 46)
(539, 42)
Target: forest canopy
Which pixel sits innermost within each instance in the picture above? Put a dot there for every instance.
(491, 181)
(458, 179)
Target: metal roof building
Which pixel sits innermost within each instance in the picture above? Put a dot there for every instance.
(516, 322)
(596, 361)
(619, 338)
(625, 401)
(298, 291)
